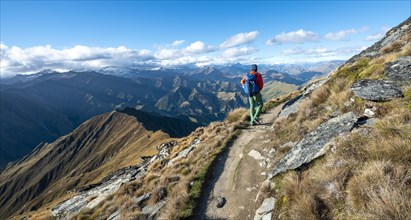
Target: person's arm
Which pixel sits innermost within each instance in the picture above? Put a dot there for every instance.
(243, 80)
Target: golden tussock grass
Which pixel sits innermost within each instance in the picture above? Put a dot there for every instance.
(320, 95)
(380, 190)
(367, 173)
(391, 48)
(239, 114)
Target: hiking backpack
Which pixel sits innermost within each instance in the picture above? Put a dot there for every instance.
(250, 86)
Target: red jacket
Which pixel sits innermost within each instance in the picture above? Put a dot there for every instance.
(259, 80)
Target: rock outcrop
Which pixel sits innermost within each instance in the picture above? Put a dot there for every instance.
(392, 36)
(184, 152)
(314, 144)
(376, 90)
(91, 196)
(151, 210)
(292, 105)
(399, 70)
(264, 212)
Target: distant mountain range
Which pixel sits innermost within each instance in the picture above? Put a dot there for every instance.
(41, 107)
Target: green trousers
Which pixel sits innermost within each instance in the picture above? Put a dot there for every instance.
(255, 101)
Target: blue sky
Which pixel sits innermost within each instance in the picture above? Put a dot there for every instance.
(84, 34)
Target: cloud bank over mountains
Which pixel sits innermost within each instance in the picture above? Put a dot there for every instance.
(241, 47)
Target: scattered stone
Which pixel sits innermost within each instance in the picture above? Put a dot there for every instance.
(263, 164)
(241, 155)
(182, 154)
(220, 201)
(314, 144)
(399, 70)
(272, 151)
(265, 209)
(376, 90)
(151, 210)
(249, 189)
(165, 148)
(241, 207)
(114, 216)
(256, 155)
(267, 141)
(267, 206)
(263, 174)
(369, 113)
(267, 216)
(139, 200)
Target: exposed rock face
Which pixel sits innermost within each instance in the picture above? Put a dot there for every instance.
(264, 212)
(391, 36)
(93, 195)
(376, 90)
(184, 152)
(114, 216)
(292, 105)
(90, 196)
(314, 144)
(142, 198)
(151, 210)
(399, 70)
(165, 148)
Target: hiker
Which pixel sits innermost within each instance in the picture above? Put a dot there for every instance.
(253, 83)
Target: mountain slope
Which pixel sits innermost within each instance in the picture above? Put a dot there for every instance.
(98, 147)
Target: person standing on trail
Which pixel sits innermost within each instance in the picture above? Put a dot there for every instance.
(253, 84)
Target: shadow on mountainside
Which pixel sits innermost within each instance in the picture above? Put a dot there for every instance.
(173, 126)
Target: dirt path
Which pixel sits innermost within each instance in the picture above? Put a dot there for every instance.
(237, 176)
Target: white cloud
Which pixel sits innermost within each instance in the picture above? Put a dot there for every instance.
(167, 53)
(197, 48)
(340, 35)
(322, 52)
(239, 39)
(177, 43)
(343, 34)
(236, 52)
(292, 51)
(379, 35)
(374, 37)
(299, 36)
(26, 60)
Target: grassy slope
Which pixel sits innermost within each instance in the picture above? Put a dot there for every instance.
(113, 135)
(367, 173)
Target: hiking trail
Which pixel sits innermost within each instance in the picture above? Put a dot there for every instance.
(238, 173)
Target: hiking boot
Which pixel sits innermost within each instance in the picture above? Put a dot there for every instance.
(252, 123)
(257, 121)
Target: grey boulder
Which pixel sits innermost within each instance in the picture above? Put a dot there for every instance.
(314, 144)
(399, 70)
(376, 90)
(220, 202)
